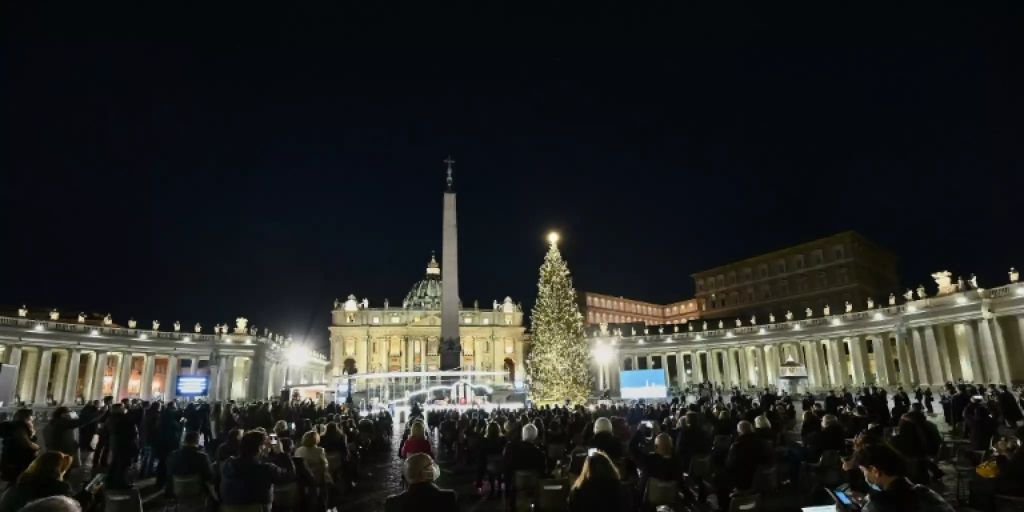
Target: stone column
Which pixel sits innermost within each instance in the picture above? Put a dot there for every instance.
(681, 369)
(99, 369)
(884, 368)
(907, 376)
(741, 356)
(229, 377)
(920, 356)
(171, 378)
(71, 388)
(59, 375)
(989, 354)
(771, 365)
(835, 364)
(89, 377)
(967, 344)
(126, 375)
(698, 371)
(859, 361)
(146, 384)
(935, 370)
(43, 377)
(13, 354)
(27, 378)
(1002, 355)
(729, 368)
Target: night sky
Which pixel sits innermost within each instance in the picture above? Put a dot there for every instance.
(214, 161)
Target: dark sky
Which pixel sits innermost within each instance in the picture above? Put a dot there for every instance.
(214, 161)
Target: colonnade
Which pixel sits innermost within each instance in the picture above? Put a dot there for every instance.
(925, 343)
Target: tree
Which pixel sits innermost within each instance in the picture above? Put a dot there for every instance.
(559, 362)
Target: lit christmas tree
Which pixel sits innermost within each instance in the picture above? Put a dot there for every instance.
(559, 362)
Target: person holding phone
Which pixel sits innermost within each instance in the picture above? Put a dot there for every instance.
(43, 478)
(249, 478)
(662, 463)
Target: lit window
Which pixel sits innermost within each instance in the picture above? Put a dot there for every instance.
(376, 319)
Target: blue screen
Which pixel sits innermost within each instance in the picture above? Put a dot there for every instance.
(193, 386)
(643, 384)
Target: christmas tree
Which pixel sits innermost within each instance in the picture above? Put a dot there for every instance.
(559, 362)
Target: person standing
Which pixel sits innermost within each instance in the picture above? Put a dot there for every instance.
(87, 431)
(124, 446)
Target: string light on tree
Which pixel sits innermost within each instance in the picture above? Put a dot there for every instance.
(559, 360)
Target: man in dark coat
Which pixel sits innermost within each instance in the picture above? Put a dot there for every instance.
(124, 446)
(88, 429)
(189, 461)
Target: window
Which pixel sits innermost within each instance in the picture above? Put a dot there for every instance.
(396, 346)
(822, 280)
(762, 271)
(467, 319)
(816, 257)
(844, 278)
(350, 346)
(376, 319)
(780, 266)
(839, 252)
(721, 281)
(798, 261)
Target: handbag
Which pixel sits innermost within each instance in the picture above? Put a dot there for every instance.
(987, 469)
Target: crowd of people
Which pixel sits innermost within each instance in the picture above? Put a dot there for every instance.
(719, 446)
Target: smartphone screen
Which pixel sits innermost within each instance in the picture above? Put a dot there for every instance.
(843, 498)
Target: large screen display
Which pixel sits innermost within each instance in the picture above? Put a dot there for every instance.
(643, 384)
(193, 385)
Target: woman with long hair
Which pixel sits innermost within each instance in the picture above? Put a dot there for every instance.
(416, 442)
(19, 445)
(598, 486)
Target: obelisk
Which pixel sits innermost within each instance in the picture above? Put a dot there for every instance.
(451, 349)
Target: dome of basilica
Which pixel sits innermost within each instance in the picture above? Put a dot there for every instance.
(426, 294)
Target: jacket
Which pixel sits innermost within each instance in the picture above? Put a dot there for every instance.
(423, 497)
(744, 456)
(250, 480)
(316, 461)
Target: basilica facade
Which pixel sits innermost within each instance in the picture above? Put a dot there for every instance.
(406, 336)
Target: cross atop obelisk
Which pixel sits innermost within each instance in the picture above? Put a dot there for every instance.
(450, 180)
(451, 348)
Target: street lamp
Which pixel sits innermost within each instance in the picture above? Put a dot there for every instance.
(603, 355)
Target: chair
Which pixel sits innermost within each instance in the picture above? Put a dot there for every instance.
(556, 451)
(286, 496)
(744, 502)
(766, 480)
(1009, 503)
(661, 492)
(189, 492)
(241, 508)
(122, 501)
(964, 466)
(552, 495)
(700, 470)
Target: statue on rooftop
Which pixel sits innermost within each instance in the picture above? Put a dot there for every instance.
(22, 311)
(721, 324)
(871, 303)
(826, 310)
(1014, 275)
(705, 326)
(753, 319)
(54, 315)
(689, 327)
(789, 315)
(892, 299)
(81, 318)
(177, 326)
(944, 280)
(198, 328)
(808, 313)
(132, 323)
(107, 320)
(909, 296)
(739, 323)
(365, 304)
(849, 307)
(156, 325)
(921, 292)
(973, 281)
(387, 303)
(240, 324)
(771, 318)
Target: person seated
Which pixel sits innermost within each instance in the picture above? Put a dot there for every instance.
(53, 504)
(249, 478)
(604, 439)
(416, 442)
(420, 472)
(189, 461)
(597, 487)
(884, 470)
(1010, 459)
(43, 478)
(229, 448)
(831, 437)
(745, 454)
(662, 463)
